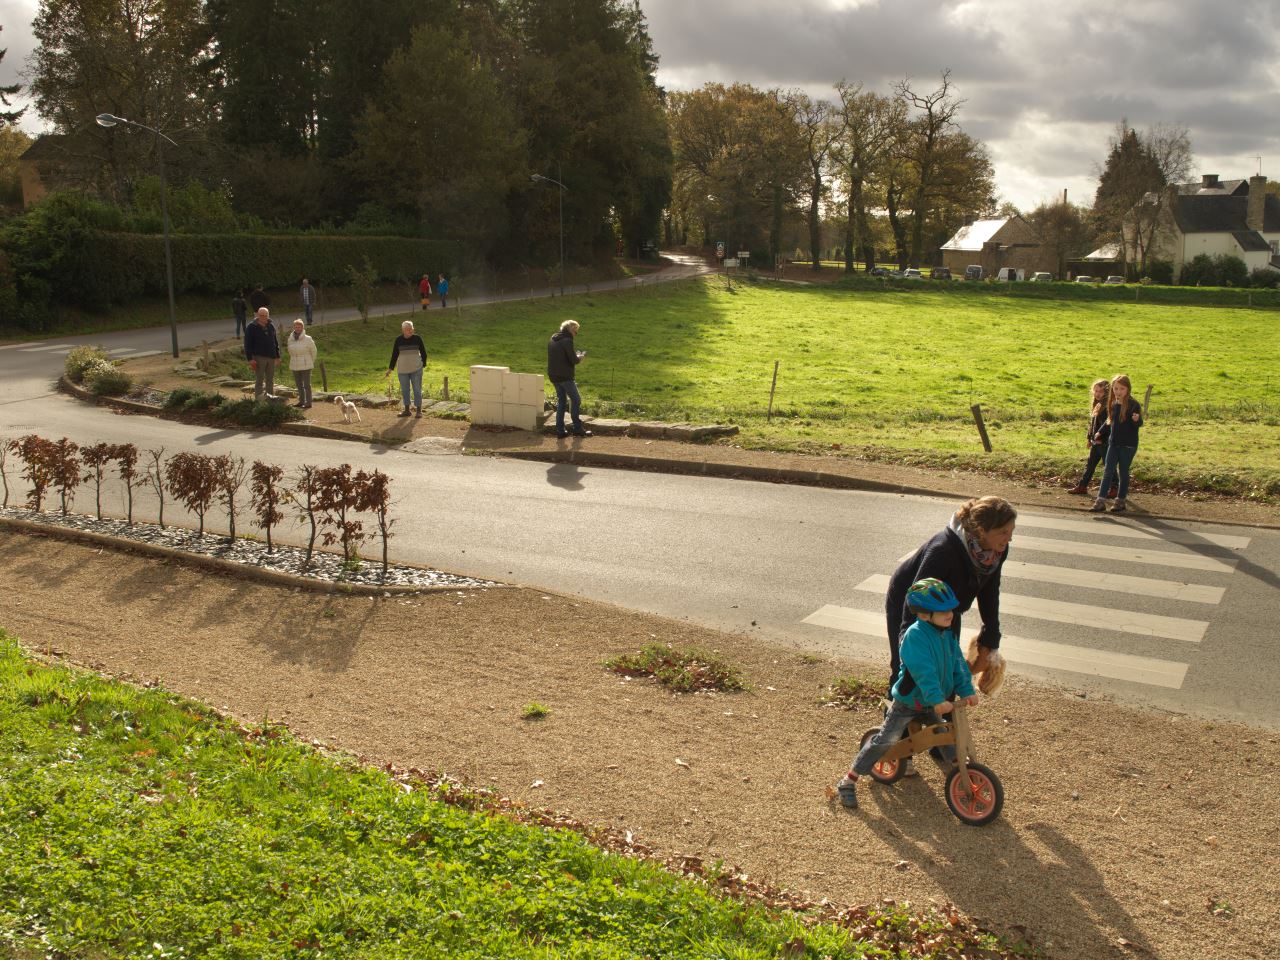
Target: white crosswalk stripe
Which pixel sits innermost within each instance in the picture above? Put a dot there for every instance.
(1084, 615)
(1115, 582)
(1164, 558)
(1039, 653)
(1131, 528)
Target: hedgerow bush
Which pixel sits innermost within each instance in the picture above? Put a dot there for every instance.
(184, 398)
(255, 413)
(81, 359)
(104, 379)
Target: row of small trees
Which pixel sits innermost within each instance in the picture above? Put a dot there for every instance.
(329, 500)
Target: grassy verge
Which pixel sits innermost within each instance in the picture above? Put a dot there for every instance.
(890, 374)
(134, 823)
(684, 671)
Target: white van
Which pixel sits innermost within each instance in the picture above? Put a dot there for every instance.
(1009, 275)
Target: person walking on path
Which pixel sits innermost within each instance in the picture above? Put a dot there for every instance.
(424, 291)
(239, 308)
(262, 350)
(308, 294)
(408, 359)
(442, 288)
(1097, 433)
(1124, 421)
(302, 360)
(259, 299)
(932, 675)
(562, 359)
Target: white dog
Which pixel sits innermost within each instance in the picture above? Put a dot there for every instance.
(348, 409)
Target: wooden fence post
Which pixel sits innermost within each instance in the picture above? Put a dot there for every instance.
(324, 379)
(976, 410)
(773, 386)
(1146, 403)
(446, 388)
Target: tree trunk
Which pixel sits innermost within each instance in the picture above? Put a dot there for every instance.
(896, 225)
(775, 240)
(815, 223)
(917, 226)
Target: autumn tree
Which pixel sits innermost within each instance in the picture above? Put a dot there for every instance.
(870, 124)
(231, 474)
(819, 129)
(337, 500)
(1064, 232)
(193, 480)
(95, 459)
(1130, 202)
(66, 471)
(375, 498)
(9, 116)
(919, 149)
(38, 457)
(266, 495)
(126, 458)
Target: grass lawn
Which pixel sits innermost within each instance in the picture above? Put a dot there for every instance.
(888, 373)
(137, 824)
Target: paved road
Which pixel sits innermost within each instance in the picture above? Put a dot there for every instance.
(1176, 615)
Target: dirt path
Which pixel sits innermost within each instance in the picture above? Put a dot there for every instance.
(1173, 816)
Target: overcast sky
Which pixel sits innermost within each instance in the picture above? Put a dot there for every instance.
(1044, 83)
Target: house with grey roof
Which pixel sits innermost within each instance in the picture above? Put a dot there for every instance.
(1216, 217)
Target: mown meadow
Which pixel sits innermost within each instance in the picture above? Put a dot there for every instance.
(887, 373)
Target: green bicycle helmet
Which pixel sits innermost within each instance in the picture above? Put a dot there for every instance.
(931, 594)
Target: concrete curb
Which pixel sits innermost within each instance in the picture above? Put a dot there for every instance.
(273, 577)
(731, 471)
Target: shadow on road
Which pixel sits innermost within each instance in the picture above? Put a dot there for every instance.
(566, 476)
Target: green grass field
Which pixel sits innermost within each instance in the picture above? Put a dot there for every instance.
(137, 824)
(889, 374)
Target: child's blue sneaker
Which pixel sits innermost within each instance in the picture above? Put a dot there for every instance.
(848, 790)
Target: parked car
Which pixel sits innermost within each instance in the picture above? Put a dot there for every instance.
(973, 271)
(940, 273)
(1114, 279)
(1041, 276)
(880, 271)
(911, 273)
(1008, 274)
(1085, 280)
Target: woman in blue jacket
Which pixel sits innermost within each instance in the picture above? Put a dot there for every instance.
(967, 555)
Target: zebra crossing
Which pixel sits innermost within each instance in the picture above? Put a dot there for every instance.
(53, 349)
(1122, 565)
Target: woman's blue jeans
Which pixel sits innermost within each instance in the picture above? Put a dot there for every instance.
(567, 395)
(1119, 459)
(411, 379)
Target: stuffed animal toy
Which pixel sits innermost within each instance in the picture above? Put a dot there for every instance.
(990, 679)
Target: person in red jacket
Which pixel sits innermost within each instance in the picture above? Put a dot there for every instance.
(424, 291)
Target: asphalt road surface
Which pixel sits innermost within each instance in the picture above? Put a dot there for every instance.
(1180, 616)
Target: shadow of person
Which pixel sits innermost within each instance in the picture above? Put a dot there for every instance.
(1206, 548)
(566, 476)
(1048, 893)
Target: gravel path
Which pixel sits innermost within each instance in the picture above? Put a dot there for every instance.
(1122, 832)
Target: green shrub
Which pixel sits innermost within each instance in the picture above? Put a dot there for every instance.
(261, 413)
(104, 379)
(684, 671)
(1266, 278)
(1159, 271)
(81, 359)
(535, 711)
(854, 691)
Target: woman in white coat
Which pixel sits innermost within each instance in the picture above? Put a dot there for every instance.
(302, 359)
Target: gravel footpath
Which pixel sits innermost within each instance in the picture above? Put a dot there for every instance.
(1124, 833)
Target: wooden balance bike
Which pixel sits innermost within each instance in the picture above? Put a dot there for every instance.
(973, 791)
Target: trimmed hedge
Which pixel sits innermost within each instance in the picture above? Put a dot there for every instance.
(126, 266)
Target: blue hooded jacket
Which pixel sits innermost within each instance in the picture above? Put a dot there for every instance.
(933, 668)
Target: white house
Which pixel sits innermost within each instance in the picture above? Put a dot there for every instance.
(1233, 217)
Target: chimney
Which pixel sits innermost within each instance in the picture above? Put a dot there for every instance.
(1064, 196)
(1257, 202)
(1208, 181)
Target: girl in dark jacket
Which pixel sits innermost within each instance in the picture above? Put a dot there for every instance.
(1096, 435)
(967, 556)
(1124, 421)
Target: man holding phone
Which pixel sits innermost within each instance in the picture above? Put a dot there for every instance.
(562, 359)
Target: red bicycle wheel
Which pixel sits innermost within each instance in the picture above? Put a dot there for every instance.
(885, 771)
(979, 801)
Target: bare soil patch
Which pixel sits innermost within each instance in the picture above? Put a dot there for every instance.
(1121, 833)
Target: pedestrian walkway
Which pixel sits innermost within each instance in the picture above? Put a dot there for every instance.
(1110, 605)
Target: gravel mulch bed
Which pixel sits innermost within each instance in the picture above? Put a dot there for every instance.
(324, 567)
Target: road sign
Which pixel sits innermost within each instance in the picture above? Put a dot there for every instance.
(719, 249)
(744, 254)
(731, 262)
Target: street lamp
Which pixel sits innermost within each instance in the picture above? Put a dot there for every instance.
(110, 120)
(537, 177)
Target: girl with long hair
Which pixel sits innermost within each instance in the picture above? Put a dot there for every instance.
(1124, 421)
(1096, 434)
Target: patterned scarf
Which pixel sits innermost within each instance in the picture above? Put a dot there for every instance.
(984, 561)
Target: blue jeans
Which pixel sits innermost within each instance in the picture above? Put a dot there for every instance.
(895, 722)
(1118, 459)
(411, 379)
(1095, 457)
(567, 393)
(306, 307)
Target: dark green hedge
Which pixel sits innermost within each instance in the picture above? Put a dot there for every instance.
(124, 266)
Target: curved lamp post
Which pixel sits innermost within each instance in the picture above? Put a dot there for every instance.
(539, 177)
(110, 120)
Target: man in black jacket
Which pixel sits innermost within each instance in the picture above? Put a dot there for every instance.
(562, 358)
(262, 350)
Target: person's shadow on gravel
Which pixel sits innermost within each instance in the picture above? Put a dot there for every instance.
(991, 873)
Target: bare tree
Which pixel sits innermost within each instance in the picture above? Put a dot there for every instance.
(819, 129)
(5, 446)
(935, 116)
(155, 477)
(307, 498)
(375, 498)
